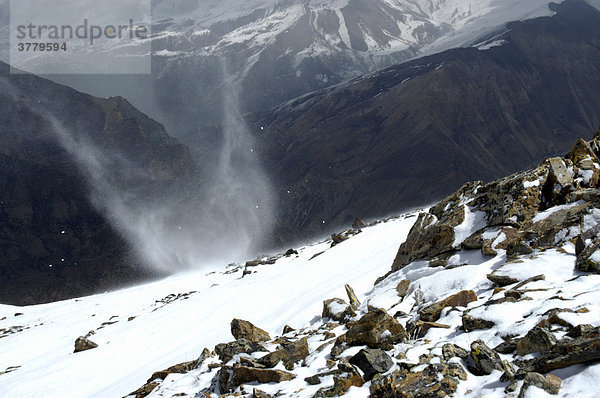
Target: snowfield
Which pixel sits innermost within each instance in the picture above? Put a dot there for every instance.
(290, 292)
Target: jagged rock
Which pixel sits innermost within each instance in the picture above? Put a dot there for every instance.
(429, 237)
(344, 377)
(376, 329)
(291, 252)
(589, 258)
(501, 280)
(436, 380)
(287, 329)
(483, 360)
(232, 377)
(433, 312)
(241, 329)
(372, 362)
(581, 150)
(507, 347)
(183, 367)
(354, 303)
(549, 383)
(338, 310)
(226, 351)
(471, 323)
(473, 242)
(402, 288)
(358, 223)
(145, 390)
(313, 380)
(564, 354)
(537, 340)
(419, 329)
(256, 393)
(338, 238)
(289, 353)
(450, 350)
(580, 330)
(83, 344)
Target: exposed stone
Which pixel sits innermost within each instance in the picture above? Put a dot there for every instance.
(338, 310)
(549, 383)
(226, 351)
(371, 362)
(436, 380)
(232, 377)
(83, 344)
(419, 329)
(290, 353)
(256, 393)
(344, 377)
(507, 347)
(145, 390)
(402, 288)
(338, 238)
(564, 354)
(501, 280)
(375, 329)
(537, 340)
(313, 380)
(287, 329)
(471, 323)
(433, 312)
(450, 350)
(354, 303)
(483, 360)
(291, 252)
(358, 223)
(245, 330)
(473, 242)
(588, 259)
(580, 330)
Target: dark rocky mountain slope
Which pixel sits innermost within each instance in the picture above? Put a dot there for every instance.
(54, 242)
(412, 133)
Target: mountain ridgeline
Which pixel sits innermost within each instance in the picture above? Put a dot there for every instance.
(413, 133)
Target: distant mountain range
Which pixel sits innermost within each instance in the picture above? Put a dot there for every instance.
(414, 132)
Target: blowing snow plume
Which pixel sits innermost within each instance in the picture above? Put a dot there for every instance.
(175, 214)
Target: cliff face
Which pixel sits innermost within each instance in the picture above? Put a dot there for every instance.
(413, 133)
(55, 242)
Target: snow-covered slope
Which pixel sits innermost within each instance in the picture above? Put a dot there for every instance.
(167, 329)
(493, 292)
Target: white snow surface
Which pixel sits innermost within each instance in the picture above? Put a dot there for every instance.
(288, 292)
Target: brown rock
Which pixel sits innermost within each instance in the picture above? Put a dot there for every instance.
(241, 329)
(83, 344)
(376, 329)
(338, 310)
(232, 377)
(402, 288)
(419, 328)
(549, 383)
(433, 312)
(537, 340)
(471, 323)
(436, 380)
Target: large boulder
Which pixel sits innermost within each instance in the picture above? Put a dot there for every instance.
(433, 312)
(376, 329)
(241, 329)
(83, 344)
(233, 377)
(372, 362)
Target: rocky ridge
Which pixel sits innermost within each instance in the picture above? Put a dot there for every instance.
(493, 285)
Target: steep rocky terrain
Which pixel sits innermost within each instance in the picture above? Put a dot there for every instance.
(56, 242)
(414, 132)
(492, 293)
